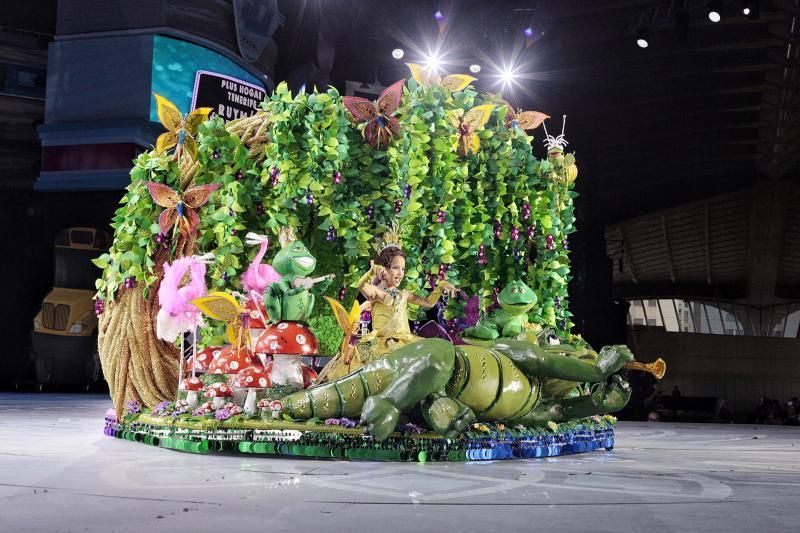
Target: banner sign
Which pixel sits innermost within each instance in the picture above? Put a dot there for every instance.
(228, 97)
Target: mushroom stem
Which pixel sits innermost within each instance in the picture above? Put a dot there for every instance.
(191, 397)
(218, 402)
(286, 369)
(250, 402)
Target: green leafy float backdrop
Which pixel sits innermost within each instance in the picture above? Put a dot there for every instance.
(448, 205)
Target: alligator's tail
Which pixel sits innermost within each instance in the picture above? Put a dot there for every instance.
(343, 397)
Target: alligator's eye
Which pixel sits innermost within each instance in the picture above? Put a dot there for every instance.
(552, 339)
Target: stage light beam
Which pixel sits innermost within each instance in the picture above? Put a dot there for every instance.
(398, 53)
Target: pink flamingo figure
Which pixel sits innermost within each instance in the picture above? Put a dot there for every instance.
(176, 315)
(258, 277)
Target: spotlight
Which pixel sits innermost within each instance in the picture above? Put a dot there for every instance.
(474, 68)
(750, 8)
(398, 53)
(433, 62)
(506, 76)
(438, 15)
(714, 11)
(528, 32)
(643, 38)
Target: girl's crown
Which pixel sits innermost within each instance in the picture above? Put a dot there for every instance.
(391, 238)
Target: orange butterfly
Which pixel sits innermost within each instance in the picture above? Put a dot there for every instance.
(180, 210)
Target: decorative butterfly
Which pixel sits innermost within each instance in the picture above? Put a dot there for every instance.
(526, 120)
(349, 324)
(224, 307)
(382, 126)
(427, 77)
(473, 120)
(180, 130)
(180, 210)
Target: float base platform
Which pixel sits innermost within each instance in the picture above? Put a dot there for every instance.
(251, 435)
(58, 472)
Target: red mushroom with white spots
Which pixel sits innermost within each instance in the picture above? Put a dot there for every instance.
(252, 379)
(286, 342)
(198, 363)
(219, 393)
(191, 386)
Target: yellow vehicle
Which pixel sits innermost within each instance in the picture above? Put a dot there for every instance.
(64, 338)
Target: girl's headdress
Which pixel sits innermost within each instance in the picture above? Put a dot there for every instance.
(391, 238)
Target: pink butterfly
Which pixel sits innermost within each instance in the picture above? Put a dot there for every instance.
(180, 209)
(382, 127)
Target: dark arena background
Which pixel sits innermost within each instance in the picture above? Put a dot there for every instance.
(596, 326)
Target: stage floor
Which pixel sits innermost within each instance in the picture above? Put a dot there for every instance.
(58, 472)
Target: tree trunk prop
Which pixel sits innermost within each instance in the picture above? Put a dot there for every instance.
(137, 364)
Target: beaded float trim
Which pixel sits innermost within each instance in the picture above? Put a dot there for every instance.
(283, 438)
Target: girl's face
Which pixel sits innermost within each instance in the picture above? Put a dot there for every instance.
(396, 271)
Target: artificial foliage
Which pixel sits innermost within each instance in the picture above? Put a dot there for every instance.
(478, 220)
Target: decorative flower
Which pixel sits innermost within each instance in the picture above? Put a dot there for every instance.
(159, 409)
(332, 422)
(410, 428)
(500, 427)
(552, 425)
(133, 407)
(347, 423)
(223, 414)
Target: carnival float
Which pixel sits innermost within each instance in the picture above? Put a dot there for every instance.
(329, 228)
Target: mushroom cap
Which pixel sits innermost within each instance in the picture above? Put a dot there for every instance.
(288, 338)
(231, 361)
(257, 313)
(219, 390)
(252, 377)
(191, 384)
(202, 359)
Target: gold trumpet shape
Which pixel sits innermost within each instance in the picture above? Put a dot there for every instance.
(658, 367)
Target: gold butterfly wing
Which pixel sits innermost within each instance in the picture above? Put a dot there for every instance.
(195, 118)
(190, 146)
(224, 307)
(457, 82)
(530, 120)
(478, 116)
(168, 114)
(166, 141)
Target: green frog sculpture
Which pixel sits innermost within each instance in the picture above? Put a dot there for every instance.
(456, 385)
(291, 299)
(515, 300)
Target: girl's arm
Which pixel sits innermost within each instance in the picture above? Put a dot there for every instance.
(433, 297)
(370, 291)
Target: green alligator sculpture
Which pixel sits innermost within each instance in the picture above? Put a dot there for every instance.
(515, 300)
(456, 385)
